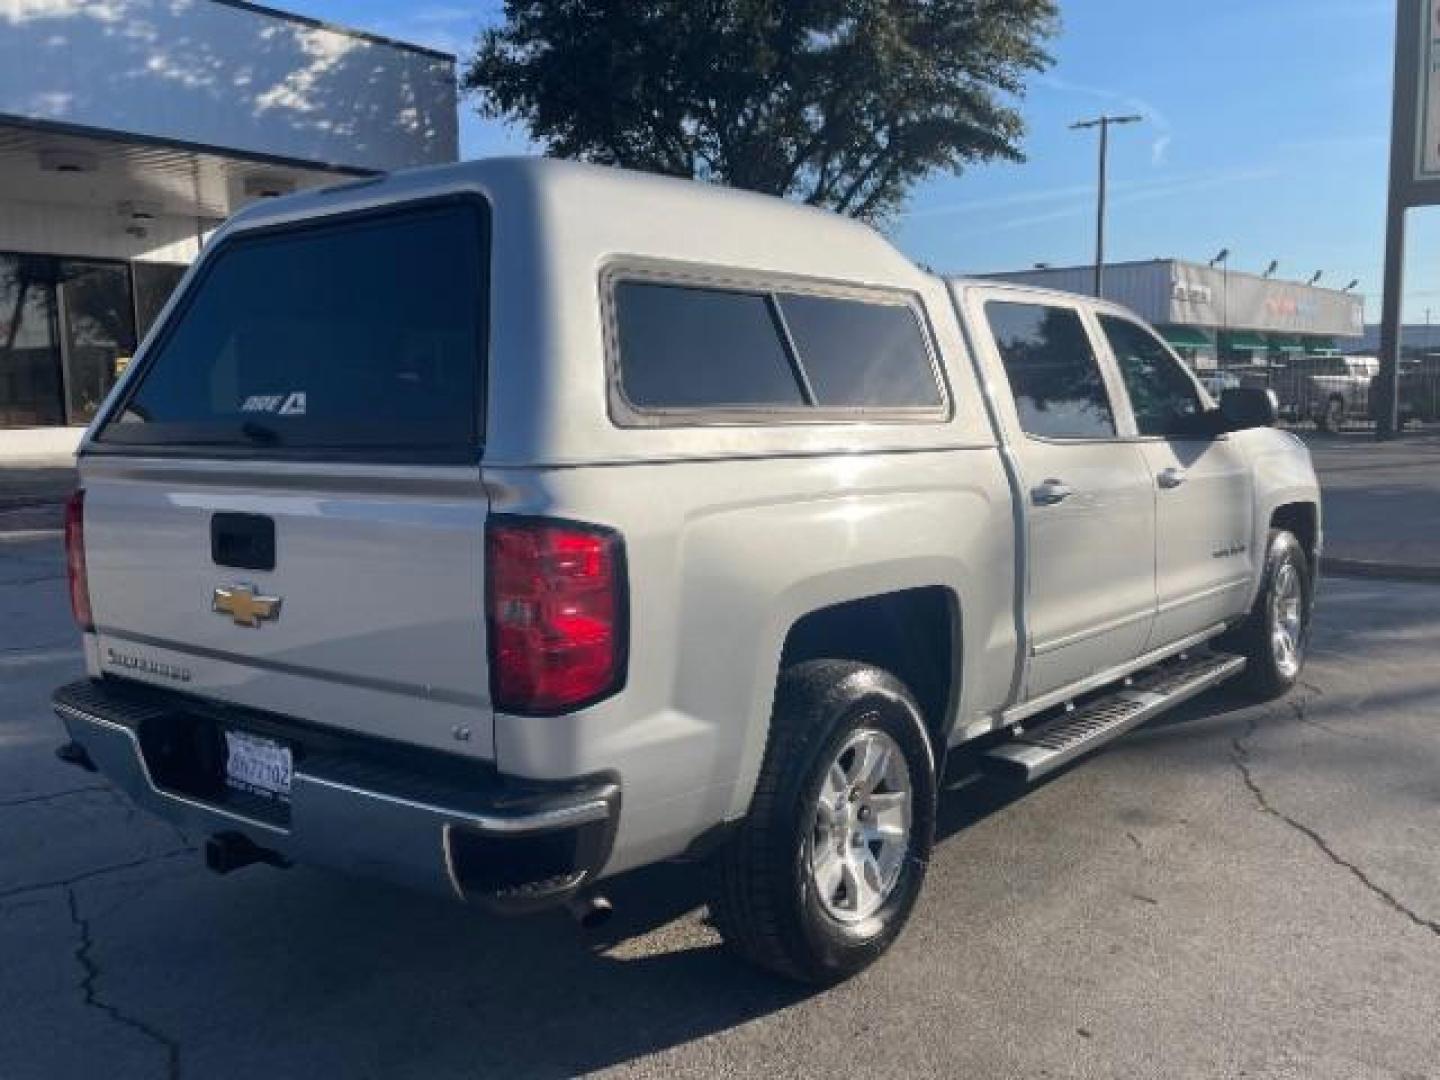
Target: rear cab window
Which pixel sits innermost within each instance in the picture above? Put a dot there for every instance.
(360, 335)
(698, 353)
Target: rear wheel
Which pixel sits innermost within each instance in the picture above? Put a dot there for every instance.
(824, 872)
(1274, 636)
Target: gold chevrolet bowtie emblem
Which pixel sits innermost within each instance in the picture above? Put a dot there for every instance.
(243, 604)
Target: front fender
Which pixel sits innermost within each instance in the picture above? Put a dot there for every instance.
(1284, 475)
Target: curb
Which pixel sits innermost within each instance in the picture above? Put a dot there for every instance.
(1368, 570)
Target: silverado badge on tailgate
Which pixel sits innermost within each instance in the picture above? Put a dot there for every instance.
(246, 606)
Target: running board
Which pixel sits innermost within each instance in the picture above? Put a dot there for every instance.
(1088, 727)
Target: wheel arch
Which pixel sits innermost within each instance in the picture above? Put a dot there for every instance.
(917, 634)
(1302, 519)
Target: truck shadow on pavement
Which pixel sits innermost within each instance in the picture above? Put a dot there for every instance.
(364, 980)
(376, 980)
(387, 980)
(380, 981)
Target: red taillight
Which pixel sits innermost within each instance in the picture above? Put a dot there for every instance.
(556, 615)
(75, 560)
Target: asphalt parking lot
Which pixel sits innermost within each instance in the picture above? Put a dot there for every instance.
(1382, 501)
(1229, 892)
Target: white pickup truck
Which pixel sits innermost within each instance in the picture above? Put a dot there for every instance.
(502, 527)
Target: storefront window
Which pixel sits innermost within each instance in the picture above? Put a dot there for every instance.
(154, 282)
(31, 391)
(67, 329)
(98, 318)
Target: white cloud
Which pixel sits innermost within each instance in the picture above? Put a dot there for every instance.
(1078, 194)
(1154, 116)
(324, 49)
(22, 11)
(1163, 189)
(1336, 144)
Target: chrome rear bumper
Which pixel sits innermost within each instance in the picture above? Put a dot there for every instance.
(512, 847)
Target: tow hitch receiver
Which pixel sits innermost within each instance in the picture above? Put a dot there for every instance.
(229, 851)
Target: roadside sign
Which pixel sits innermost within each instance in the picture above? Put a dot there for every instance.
(1429, 156)
(1414, 179)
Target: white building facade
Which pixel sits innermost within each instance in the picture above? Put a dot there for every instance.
(129, 129)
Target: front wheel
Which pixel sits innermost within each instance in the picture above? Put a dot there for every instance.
(824, 872)
(1275, 635)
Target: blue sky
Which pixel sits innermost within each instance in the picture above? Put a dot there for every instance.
(1266, 132)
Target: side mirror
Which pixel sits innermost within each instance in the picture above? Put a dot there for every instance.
(1245, 407)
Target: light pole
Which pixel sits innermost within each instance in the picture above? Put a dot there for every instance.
(1103, 123)
(1223, 258)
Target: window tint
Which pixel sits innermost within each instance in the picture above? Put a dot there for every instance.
(683, 347)
(1162, 396)
(861, 354)
(352, 335)
(1053, 373)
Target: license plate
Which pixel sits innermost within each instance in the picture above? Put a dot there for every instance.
(258, 766)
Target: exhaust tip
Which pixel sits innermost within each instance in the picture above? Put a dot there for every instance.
(590, 912)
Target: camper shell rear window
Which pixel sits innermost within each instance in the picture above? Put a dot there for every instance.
(353, 336)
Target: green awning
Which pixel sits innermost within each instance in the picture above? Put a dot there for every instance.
(1245, 341)
(1287, 343)
(1185, 337)
(1321, 346)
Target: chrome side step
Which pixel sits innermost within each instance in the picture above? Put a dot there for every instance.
(1077, 731)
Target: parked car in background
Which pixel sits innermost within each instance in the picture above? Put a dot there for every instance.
(1327, 391)
(1216, 382)
(1419, 391)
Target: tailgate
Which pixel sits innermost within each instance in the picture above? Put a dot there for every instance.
(371, 619)
(283, 501)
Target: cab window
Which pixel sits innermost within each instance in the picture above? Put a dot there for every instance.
(1053, 372)
(1162, 396)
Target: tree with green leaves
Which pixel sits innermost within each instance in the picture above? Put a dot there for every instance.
(844, 104)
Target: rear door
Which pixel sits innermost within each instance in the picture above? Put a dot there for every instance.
(283, 505)
(1202, 485)
(1089, 512)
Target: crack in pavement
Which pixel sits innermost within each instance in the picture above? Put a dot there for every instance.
(91, 969)
(34, 579)
(40, 646)
(127, 807)
(70, 882)
(1297, 707)
(1240, 755)
(26, 800)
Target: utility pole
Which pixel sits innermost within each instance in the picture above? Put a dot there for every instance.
(1103, 123)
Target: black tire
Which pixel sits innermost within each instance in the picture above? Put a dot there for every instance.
(763, 901)
(1266, 676)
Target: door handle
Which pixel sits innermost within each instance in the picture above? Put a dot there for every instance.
(1050, 493)
(1171, 478)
